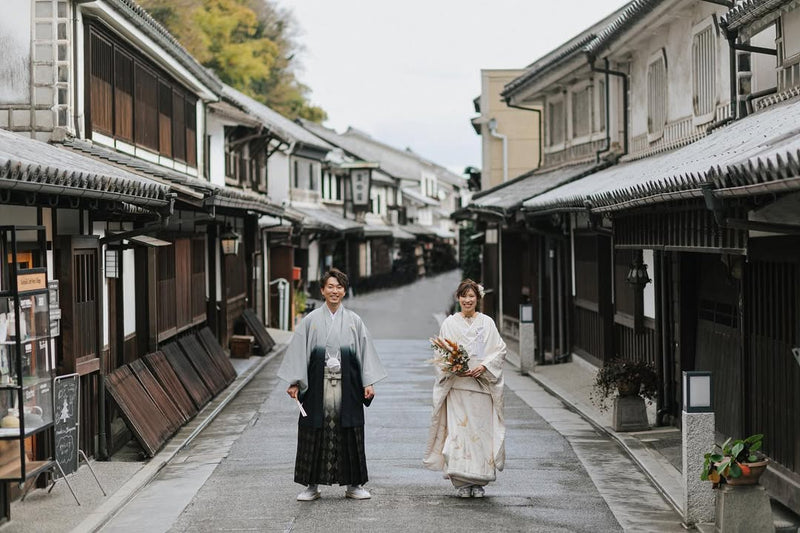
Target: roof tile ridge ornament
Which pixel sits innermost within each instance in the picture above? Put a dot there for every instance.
(146, 21)
(635, 11)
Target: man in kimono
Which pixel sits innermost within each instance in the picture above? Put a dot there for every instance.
(331, 366)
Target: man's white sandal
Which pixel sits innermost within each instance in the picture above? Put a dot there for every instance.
(310, 494)
(357, 493)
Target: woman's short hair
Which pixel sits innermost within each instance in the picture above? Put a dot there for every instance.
(466, 285)
(340, 276)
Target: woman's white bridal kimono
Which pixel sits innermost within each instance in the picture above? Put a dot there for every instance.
(467, 433)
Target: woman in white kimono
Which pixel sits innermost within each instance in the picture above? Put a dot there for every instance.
(331, 366)
(467, 433)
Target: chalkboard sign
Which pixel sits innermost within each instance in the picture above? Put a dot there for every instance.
(65, 422)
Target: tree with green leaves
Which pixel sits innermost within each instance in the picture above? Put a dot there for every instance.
(250, 44)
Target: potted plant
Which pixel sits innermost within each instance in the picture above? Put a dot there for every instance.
(736, 462)
(626, 378)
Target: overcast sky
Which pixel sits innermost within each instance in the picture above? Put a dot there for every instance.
(407, 72)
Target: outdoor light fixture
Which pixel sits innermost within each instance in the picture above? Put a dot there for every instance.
(697, 393)
(229, 241)
(360, 183)
(637, 274)
(526, 313)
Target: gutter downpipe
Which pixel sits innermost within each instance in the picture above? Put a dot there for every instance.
(731, 37)
(539, 114)
(607, 71)
(504, 138)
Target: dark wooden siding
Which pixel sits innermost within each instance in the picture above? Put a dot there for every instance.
(689, 227)
(773, 297)
(131, 99)
(166, 316)
(198, 288)
(100, 84)
(123, 95)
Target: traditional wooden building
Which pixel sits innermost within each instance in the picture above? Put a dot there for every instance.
(697, 199)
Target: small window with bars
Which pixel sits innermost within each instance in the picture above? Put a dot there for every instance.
(600, 123)
(657, 95)
(703, 73)
(582, 112)
(555, 122)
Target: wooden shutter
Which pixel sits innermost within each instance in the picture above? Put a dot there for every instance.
(183, 282)
(123, 95)
(100, 83)
(146, 107)
(165, 118)
(191, 132)
(178, 126)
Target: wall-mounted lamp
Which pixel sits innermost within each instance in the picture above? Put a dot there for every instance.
(229, 241)
(637, 273)
(697, 392)
(526, 313)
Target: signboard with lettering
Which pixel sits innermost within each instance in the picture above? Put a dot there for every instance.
(360, 182)
(65, 422)
(32, 282)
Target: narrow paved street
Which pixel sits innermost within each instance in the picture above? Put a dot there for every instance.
(561, 473)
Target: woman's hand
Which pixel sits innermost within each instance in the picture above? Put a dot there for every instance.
(369, 392)
(476, 372)
(292, 391)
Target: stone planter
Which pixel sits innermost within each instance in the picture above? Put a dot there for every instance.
(629, 414)
(756, 469)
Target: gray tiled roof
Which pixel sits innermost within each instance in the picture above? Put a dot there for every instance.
(751, 11)
(559, 55)
(30, 165)
(190, 187)
(757, 153)
(418, 197)
(325, 219)
(284, 128)
(395, 164)
(140, 18)
(508, 196)
(631, 14)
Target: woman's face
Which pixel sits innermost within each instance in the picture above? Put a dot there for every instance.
(333, 291)
(468, 301)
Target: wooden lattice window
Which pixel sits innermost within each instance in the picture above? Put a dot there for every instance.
(657, 95)
(101, 84)
(703, 72)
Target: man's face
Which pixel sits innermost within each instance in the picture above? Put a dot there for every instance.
(333, 291)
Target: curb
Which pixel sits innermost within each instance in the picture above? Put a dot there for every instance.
(621, 441)
(100, 516)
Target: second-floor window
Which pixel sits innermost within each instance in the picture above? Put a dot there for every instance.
(331, 187)
(245, 159)
(582, 112)
(703, 70)
(555, 122)
(130, 100)
(657, 95)
(305, 176)
(600, 123)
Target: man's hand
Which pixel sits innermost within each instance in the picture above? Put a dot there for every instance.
(369, 392)
(292, 391)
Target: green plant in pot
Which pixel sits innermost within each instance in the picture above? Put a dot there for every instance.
(736, 462)
(625, 378)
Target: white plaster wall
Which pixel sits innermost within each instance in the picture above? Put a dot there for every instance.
(99, 230)
(674, 35)
(314, 272)
(764, 76)
(17, 215)
(15, 61)
(649, 289)
(278, 176)
(216, 148)
(128, 291)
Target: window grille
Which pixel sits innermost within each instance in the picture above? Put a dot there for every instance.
(657, 96)
(582, 112)
(703, 71)
(556, 122)
(601, 106)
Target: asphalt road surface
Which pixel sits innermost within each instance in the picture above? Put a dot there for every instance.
(561, 474)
